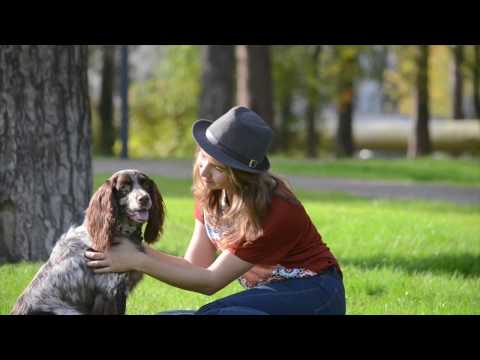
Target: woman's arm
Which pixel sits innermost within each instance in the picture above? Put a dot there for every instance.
(163, 256)
(196, 272)
(200, 252)
(179, 273)
(226, 268)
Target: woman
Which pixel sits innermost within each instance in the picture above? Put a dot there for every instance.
(250, 218)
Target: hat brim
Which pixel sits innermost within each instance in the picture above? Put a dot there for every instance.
(199, 134)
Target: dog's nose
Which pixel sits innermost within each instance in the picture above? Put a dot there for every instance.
(143, 199)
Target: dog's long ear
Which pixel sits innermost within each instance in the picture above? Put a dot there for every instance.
(157, 214)
(101, 216)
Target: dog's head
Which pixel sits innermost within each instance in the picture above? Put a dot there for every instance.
(127, 194)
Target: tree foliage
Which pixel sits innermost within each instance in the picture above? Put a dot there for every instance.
(163, 108)
(306, 88)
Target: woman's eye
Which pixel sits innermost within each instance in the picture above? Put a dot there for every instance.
(219, 168)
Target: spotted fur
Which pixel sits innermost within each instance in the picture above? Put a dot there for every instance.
(65, 285)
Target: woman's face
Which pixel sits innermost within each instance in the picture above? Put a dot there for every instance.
(212, 173)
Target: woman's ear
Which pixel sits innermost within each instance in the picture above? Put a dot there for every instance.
(156, 219)
(101, 216)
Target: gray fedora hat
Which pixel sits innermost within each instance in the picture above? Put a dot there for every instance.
(239, 139)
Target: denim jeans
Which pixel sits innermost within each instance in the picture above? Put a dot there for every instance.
(323, 294)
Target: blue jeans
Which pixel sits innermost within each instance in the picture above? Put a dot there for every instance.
(323, 294)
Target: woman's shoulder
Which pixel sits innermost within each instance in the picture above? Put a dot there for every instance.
(283, 195)
(285, 209)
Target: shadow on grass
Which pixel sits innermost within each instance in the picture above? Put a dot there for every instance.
(467, 265)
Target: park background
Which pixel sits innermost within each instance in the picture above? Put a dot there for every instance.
(399, 118)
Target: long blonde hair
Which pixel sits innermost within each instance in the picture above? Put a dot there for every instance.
(249, 199)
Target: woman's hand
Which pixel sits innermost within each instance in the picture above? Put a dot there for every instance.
(122, 256)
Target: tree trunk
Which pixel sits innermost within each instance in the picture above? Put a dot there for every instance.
(420, 143)
(345, 146)
(311, 133)
(385, 102)
(345, 94)
(254, 81)
(107, 132)
(458, 55)
(476, 81)
(218, 72)
(286, 115)
(312, 107)
(45, 147)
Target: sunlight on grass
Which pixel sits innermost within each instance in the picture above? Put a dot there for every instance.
(460, 172)
(398, 257)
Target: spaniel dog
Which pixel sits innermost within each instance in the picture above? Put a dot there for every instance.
(64, 284)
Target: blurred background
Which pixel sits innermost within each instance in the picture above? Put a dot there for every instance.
(324, 101)
(380, 142)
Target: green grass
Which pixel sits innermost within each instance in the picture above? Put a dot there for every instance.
(398, 257)
(449, 171)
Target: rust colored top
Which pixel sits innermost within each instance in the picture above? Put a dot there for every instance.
(290, 246)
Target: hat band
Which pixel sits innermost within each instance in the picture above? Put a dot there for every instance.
(251, 163)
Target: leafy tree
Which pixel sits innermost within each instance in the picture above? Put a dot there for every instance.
(105, 108)
(300, 93)
(313, 99)
(254, 81)
(400, 79)
(375, 68)
(347, 71)
(217, 88)
(476, 80)
(163, 108)
(286, 82)
(458, 57)
(420, 143)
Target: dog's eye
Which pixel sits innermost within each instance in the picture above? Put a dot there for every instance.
(144, 182)
(124, 187)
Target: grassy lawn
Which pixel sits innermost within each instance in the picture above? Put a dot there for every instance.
(398, 257)
(460, 172)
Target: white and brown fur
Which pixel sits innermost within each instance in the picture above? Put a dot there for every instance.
(64, 284)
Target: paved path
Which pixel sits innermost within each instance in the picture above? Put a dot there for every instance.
(372, 189)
